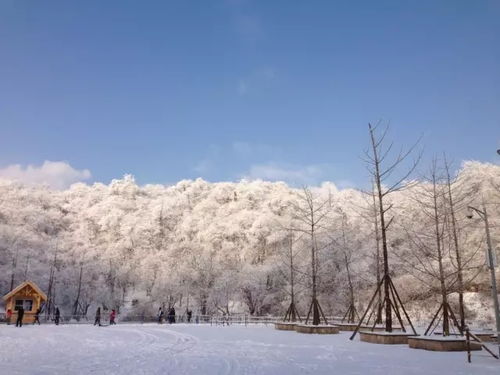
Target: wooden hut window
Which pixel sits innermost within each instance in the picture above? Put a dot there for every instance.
(27, 304)
(19, 304)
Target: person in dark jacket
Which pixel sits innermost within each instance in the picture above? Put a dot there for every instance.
(171, 315)
(20, 315)
(189, 315)
(57, 317)
(160, 315)
(98, 317)
(37, 316)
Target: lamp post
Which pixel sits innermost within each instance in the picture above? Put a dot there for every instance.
(483, 214)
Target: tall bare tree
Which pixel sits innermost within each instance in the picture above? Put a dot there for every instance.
(453, 202)
(378, 315)
(382, 171)
(289, 260)
(427, 242)
(52, 284)
(310, 213)
(351, 314)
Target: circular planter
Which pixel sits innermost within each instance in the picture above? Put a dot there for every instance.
(488, 336)
(442, 344)
(284, 326)
(387, 338)
(319, 329)
(347, 326)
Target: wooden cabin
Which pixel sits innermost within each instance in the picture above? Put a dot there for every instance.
(29, 296)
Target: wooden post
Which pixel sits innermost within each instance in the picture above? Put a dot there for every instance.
(433, 319)
(366, 311)
(402, 306)
(467, 338)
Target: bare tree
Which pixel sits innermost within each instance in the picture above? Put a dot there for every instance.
(427, 242)
(457, 199)
(311, 213)
(76, 304)
(289, 260)
(52, 284)
(351, 314)
(382, 173)
(376, 228)
(454, 232)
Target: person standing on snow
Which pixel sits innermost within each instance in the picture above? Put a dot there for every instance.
(97, 320)
(189, 315)
(58, 316)
(160, 315)
(112, 317)
(37, 316)
(171, 315)
(20, 315)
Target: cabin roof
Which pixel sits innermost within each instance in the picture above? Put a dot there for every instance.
(21, 286)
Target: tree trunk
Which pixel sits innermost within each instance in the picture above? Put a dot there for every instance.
(446, 328)
(378, 182)
(378, 319)
(77, 299)
(460, 280)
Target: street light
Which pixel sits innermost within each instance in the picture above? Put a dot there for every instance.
(483, 214)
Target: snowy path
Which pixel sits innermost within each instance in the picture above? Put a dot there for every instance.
(199, 349)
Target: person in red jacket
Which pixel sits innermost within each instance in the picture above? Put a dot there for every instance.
(8, 315)
(112, 317)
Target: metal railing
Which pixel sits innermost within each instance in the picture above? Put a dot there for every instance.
(215, 319)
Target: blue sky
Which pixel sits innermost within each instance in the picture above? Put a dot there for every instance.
(167, 90)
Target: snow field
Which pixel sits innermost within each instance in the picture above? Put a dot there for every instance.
(202, 349)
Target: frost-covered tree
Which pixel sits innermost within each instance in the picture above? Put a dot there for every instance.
(219, 245)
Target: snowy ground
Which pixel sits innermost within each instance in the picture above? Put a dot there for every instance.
(201, 349)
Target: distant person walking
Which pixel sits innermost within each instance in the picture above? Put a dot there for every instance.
(189, 315)
(20, 316)
(171, 315)
(160, 315)
(37, 316)
(97, 320)
(8, 315)
(57, 316)
(112, 317)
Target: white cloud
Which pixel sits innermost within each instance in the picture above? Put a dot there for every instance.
(56, 174)
(242, 87)
(292, 174)
(245, 149)
(249, 27)
(257, 80)
(208, 164)
(204, 166)
(242, 148)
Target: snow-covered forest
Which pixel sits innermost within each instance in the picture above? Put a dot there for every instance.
(226, 247)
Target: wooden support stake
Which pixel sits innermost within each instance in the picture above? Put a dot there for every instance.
(482, 344)
(467, 339)
(398, 316)
(433, 319)
(309, 313)
(455, 321)
(402, 306)
(367, 309)
(321, 311)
